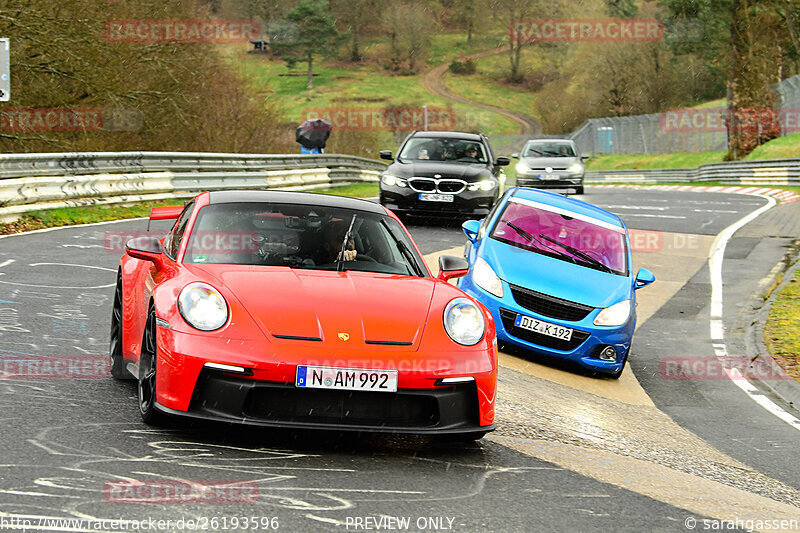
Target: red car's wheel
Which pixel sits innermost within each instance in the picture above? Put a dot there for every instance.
(119, 368)
(147, 373)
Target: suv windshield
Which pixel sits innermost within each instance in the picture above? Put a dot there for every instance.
(301, 236)
(551, 149)
(564, 235)
(435, 149)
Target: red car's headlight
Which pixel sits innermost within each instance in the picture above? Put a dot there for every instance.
(464, 322)
(203, 307)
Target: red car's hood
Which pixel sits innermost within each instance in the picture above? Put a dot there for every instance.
(381, 308)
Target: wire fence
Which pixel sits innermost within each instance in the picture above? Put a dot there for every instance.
(681, 130)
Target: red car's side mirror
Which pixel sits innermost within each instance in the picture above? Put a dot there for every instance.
(146, 248)
(452, 267)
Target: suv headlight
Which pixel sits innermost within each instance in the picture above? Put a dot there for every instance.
(484, 185)
(464, 322)
(203, 307)
(485, 277)
(616, 315)
(390, 180)
(575, 168)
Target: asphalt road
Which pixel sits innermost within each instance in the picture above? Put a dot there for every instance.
(64, 441)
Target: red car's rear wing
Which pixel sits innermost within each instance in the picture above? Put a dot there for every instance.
(170, 212)
(166, 213)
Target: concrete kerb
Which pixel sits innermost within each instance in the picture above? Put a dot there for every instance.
(786, 389)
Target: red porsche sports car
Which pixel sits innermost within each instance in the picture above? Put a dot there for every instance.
(300, 310)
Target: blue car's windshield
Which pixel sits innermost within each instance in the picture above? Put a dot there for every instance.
(563, 235)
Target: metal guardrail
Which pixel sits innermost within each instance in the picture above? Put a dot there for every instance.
(763, 172)
(67, 164)
(31, 182)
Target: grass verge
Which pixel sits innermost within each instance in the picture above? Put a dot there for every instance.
(69, 216)
(780, 332)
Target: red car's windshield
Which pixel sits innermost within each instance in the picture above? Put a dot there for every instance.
(301, 236)
(563, 234)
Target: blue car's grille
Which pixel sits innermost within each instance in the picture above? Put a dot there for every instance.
(549, 305)
(545, 341)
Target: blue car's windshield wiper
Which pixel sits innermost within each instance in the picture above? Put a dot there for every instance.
(537, 243)
(587, 258)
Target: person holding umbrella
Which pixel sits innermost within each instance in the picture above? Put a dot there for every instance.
(312, 135)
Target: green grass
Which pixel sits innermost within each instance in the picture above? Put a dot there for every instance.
(445, 47)
(349, 87)
(780, 332)
(358, 190)
(636, 161)
(780, 148)
(488, 85)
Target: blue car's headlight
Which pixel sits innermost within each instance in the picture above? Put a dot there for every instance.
(484, 277)
(464, 322)
(616, 315)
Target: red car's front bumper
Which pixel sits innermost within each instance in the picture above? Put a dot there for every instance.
(267, 396)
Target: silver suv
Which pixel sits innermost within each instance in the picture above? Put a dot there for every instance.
(550, 164)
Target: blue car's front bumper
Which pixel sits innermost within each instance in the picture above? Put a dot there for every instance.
(587, 339)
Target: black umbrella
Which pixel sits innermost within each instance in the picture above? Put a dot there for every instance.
(313, 133)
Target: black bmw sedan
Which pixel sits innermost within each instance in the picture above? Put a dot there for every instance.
(441, 174)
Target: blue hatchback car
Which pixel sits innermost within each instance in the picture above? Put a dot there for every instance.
(556, 274)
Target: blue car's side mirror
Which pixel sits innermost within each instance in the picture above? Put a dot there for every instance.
(643, 278)
(471, 228)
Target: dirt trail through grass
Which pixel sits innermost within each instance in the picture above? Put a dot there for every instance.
(433, 82)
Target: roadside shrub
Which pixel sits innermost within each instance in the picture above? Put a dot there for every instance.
(463, 67)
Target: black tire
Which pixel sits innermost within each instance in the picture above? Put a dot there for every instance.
(119, 367)
(147, 374)
(579, 190)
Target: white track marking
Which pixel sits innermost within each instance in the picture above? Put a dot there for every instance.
(716, 327)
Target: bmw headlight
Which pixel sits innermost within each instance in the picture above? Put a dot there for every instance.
(485, 185)
(463, 322)
(521, 167)
(575, 168)
(616, 315)
(390, 180)
(484, 277)
(203, 307)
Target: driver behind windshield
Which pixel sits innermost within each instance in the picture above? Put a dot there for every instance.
(332, 239)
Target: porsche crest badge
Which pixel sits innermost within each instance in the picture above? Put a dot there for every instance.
(344, 336)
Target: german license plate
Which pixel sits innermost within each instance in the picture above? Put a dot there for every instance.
(548, 176)
(324, 377)
(434, 197)
(545, 328)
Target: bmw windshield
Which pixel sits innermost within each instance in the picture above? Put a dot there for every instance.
(563, 235)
